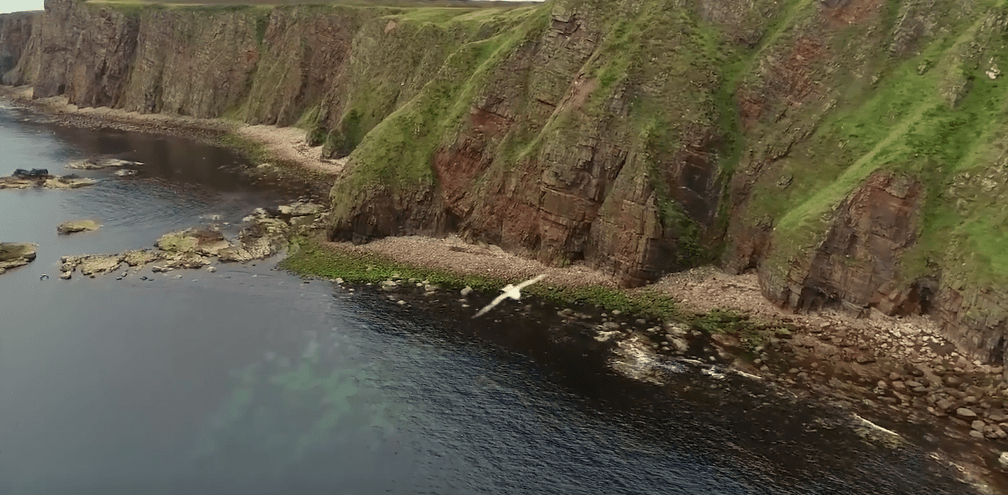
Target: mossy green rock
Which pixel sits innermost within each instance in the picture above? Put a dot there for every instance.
(74, 226)
(201, 241)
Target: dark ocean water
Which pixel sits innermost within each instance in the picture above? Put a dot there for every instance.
(252, 381)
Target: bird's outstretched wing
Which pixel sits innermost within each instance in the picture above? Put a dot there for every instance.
(497, 300)
(530, 281)
(509, 291)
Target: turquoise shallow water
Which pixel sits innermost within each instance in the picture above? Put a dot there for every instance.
(252, 381)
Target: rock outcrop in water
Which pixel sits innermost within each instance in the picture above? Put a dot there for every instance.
(850, 151)
(263, 236)
(15, 254)
(74, 226)
(41, 178)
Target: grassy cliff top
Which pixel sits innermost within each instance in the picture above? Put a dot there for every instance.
(466, 4)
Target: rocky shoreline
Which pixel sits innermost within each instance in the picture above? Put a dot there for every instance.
(894, 374)
(61, 111)
(290, 156)
(899, 372)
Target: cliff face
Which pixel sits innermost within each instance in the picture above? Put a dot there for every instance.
(850, 151)
(873, 175)
(15, 31)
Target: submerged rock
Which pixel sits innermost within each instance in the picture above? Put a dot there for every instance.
(15, 254)
(92, 164)
(67, 182)
(72, 226)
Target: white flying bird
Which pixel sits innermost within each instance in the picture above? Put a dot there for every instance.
(512, 291)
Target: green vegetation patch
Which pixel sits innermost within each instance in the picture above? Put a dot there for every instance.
(930, 117)
(396, 154)
(312, 258)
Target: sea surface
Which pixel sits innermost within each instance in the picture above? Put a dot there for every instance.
(249, 380)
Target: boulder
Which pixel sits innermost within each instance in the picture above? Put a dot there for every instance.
(679, 344)
(15, 254)
(202, 241)
(299, 209)
(264, 238)
(35, 172)
(140, 257)
(185, 261)
(99, 264)
(73, 226)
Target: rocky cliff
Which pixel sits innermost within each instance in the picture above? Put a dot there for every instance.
(15, 31)
(850, 151)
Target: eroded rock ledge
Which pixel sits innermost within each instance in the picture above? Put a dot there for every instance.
(15, 254)
(41, 178)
